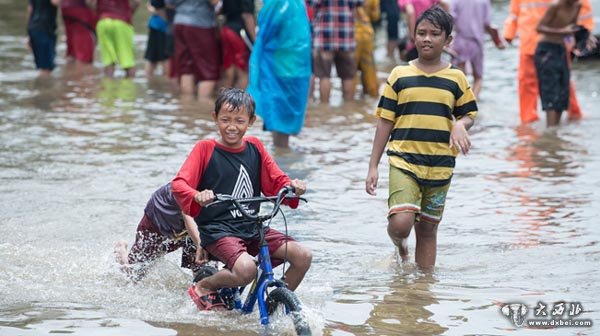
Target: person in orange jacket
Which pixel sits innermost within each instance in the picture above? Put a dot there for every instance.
(523, 20)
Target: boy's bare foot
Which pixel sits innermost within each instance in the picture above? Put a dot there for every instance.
(121, 252)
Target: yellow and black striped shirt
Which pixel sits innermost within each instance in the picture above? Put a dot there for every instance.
(423, 108)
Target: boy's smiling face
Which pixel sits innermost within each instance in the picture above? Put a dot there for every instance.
(232, 125)
(430, 40)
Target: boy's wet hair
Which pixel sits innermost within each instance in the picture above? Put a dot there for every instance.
(236, 99)
(439, 18)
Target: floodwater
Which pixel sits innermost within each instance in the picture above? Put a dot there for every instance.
(80, 155)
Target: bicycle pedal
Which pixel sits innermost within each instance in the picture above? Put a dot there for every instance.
(227, 297)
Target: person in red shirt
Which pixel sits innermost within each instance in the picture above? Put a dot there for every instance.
(80, 28)
(239, 166)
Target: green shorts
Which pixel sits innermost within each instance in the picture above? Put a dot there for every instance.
(406, 195)
(115, 40)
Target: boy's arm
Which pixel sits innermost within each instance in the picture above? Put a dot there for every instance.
(249, 19)
(459, 136)
(410, 20)
(386, 112)
(382, 135)
(192, 229)
(29, 10)
(250, 25)
(56, 3)
(187, 179)
(465, 111)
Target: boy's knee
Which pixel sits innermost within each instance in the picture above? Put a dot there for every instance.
(426, 229)
(306, 256)
(302, 257)
(245, 270)
(400, 224)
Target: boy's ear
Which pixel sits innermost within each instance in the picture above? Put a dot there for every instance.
(448, 40)
(252, 120)
(214, 116)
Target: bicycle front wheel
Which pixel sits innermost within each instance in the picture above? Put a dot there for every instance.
(284, 301)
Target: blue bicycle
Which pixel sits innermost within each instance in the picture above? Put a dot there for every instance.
(272, 295)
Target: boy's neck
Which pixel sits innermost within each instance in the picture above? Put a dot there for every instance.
(430, 66)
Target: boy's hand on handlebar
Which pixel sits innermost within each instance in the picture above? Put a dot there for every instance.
(204, 197)
(299, 185)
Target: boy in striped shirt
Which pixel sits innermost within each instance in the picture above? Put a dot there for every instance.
(424, 113)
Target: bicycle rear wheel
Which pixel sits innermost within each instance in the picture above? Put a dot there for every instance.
(284, 300)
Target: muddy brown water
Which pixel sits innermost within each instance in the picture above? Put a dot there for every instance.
(80, 155)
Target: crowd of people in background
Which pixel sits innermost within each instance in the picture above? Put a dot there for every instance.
(205, 44)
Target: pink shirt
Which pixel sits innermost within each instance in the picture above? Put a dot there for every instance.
(419, 5)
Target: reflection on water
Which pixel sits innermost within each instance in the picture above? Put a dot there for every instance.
(544, 157)
(80, 154)
(405, 307)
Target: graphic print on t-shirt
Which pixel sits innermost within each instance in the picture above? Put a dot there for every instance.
(242, 189)
(243, 185)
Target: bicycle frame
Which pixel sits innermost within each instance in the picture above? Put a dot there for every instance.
(265, 277)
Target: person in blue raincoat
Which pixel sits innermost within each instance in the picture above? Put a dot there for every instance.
(280, 67)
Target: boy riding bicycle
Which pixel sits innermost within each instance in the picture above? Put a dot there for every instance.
(238, 166)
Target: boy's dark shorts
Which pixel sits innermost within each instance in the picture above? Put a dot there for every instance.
(553, 75)
(157, 49)
(43, 45)
(228, 249)
(150, 244)
(345, 64)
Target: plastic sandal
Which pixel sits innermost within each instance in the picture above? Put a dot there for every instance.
(209, 301)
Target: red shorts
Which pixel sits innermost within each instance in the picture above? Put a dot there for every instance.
(235, 51)
(80, 27)
(228, 249)
(197, 52)
(150, 245)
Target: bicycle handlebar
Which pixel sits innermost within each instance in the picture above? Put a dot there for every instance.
(287, 192)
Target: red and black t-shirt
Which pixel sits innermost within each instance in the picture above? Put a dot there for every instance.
(243, 172)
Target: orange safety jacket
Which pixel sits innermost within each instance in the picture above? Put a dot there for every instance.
(586, 17)
(524, 16)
